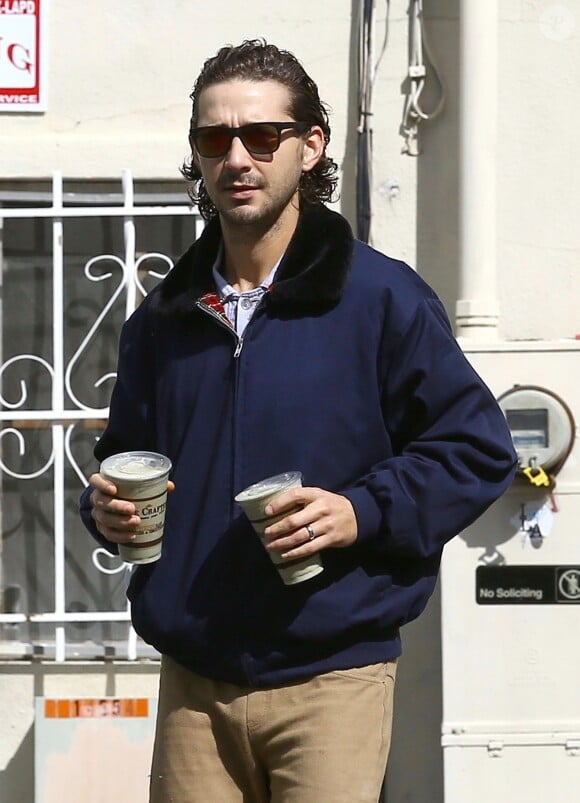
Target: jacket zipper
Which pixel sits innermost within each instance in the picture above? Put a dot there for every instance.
(237, 351)
(239, 338)
(217, 317)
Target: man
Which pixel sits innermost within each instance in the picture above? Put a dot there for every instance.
(279, 343)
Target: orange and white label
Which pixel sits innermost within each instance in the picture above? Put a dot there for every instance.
(104, 707)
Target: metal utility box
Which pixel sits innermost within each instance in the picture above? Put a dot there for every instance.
(510, 595)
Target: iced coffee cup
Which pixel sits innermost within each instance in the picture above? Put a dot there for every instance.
(141, 478)
(253, 500)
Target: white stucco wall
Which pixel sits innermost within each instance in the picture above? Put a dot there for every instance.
(120, 74)
(539, 169)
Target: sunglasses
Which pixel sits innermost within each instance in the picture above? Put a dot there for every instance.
(212, 141)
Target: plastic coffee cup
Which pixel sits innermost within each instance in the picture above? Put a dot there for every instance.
(253, 500)
(141, 478)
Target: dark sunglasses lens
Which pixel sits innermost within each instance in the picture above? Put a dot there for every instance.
(261, 138)
(213, 142)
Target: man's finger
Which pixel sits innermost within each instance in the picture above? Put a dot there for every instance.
(101, 483)
(295, 497)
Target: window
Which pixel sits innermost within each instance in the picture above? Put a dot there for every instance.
(76, 258)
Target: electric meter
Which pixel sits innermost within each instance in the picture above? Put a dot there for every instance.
(541, 425)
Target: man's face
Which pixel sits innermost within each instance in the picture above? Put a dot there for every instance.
(246, 188)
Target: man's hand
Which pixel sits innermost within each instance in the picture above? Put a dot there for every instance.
(115, 518)
(325, 520)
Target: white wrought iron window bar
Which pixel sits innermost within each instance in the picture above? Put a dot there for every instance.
(67, 409)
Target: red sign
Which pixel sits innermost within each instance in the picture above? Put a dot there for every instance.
(22, 58)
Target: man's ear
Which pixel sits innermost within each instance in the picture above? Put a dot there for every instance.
(313, 148)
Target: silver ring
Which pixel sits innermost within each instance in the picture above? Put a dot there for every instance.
(310, 531)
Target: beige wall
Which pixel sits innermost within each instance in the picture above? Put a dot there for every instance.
(120, 75)
(539, 168)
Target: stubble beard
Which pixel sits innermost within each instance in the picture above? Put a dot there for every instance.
(255, 220)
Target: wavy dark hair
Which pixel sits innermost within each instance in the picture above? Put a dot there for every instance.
(256, 60)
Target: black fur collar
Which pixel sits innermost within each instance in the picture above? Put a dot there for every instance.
(312, 272)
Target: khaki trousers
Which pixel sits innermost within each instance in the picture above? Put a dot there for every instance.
(321, 740)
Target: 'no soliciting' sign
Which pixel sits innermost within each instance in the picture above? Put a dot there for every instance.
(527, 585)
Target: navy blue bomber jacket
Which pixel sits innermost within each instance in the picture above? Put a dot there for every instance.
(348, 372)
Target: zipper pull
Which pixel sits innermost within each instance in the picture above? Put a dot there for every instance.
(239, 347)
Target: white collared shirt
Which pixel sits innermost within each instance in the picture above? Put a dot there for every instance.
(239, 307)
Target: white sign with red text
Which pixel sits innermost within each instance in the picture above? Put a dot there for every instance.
(22, 55)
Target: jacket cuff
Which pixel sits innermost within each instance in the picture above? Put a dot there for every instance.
(368, 514)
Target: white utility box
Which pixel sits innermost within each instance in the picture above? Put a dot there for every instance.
(510, 595)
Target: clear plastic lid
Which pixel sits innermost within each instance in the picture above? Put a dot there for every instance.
(280, 482)
(136, 465)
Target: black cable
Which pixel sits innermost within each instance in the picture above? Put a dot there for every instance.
(364, 143)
